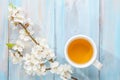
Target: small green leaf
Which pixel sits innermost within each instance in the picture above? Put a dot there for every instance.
(10, 45)
(12, 6)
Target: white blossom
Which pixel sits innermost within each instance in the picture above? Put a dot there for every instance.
(42, 42)
(39, 53)
(51, 55)
(37, 49)
(32, 65)
(16, 57)
(29, 64)
(41, 70)
(19, 46)
(16, 15)
(23, 35)
(43, 53)
(28, 21)
(54, 66)
(64, 71)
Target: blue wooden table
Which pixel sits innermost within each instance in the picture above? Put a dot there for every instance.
(58, 20)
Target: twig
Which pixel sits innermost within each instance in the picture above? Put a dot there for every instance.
(48, 68)
(19, 53)
(73, 78)
(24, 27)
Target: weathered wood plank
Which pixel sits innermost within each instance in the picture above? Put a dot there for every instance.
(59, 32)
(3, 40)
(77, 17)
(110, 31)
(42, 14)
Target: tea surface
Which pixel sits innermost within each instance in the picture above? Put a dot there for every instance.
(80, 51)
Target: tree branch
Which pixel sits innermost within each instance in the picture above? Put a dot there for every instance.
(24, 27)
(73, 78)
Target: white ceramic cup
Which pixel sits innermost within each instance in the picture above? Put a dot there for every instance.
(93, 60)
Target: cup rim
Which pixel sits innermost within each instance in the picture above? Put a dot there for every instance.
(89, 62)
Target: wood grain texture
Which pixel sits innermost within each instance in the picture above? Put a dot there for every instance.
(110, 31)
(3, 40)
(58, 20)
(80, 17)
(59, 31)
(42, 14)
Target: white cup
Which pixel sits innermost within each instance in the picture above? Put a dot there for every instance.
(93, 60)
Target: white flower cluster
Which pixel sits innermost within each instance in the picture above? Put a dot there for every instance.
(63, 70)
(19, 46)
(35, 62)
(16, 57)
(16, 16)
(41, 59)
(23, 35)
(33, 66)
(16, 52)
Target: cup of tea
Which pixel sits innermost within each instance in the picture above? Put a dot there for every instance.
(81, 51)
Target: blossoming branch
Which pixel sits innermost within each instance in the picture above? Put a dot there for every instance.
(36, 61)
